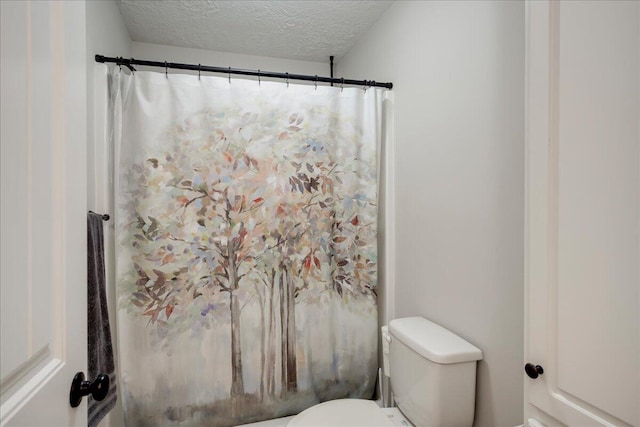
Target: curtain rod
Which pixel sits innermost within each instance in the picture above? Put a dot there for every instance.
(129, 63)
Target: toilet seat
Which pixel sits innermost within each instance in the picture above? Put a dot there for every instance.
(342, 413)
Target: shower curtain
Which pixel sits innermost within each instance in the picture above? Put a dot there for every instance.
(246, 246)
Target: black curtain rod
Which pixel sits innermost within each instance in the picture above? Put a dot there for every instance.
(129, 63)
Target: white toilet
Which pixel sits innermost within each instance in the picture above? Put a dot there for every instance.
(433, 379)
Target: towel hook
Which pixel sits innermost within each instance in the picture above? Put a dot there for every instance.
(105, 217)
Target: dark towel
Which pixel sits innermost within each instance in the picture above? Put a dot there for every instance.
(100, 350)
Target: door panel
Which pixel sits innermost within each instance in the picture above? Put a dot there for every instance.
(583, 215)
(42, 212)
(597, 195)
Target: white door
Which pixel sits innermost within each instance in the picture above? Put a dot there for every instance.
(43, 211)
(583, 222)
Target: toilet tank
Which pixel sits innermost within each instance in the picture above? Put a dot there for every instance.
(433, 373)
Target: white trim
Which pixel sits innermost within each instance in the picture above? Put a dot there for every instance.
(22, 396)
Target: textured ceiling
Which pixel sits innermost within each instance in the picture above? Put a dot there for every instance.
(304, 30)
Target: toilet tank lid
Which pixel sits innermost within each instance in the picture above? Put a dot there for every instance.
(433, 341)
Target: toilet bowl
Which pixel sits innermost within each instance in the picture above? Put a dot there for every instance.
(433, 374)
(343, 412)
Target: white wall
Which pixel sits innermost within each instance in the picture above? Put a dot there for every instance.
(458, 74)
(106, 35)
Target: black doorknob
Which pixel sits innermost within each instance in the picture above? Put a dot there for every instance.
(80, 388)
(533, 370)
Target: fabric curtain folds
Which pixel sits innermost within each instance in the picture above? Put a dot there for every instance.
(247, 246)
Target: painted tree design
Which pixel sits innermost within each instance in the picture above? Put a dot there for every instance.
(240, 207)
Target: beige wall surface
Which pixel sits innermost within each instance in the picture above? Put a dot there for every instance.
(458, 74)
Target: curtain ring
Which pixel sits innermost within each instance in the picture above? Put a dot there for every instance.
(316, 84)
(229, 75)
(166, 70)
(199, 67)
(287, 80)
(120, 63)
(342, 85)
(259, 82)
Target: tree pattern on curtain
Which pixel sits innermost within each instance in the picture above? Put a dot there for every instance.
(244, 219)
